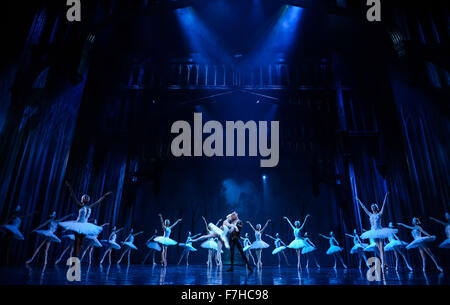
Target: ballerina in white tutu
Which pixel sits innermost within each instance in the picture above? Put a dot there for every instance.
(81, 227)
(377, 232)
(49, 236)
(309, 250)
(298, 243)
(247, 244)
(187, 247)
(165, 240)
(334, 249)
(92, 242)
(446, 243)
(111, 244)
(153, 247)
(12, 225)
(259, 244)
(71, 239)
(396, 245)
(358, 248)
(214, 248)
(421, 242)
(280, 246)
(128, 245)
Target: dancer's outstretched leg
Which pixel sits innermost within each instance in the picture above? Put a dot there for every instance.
(35, 253)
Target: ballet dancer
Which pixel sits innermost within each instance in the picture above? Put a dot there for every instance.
(111, 244)
(92, 242)
(128, 245)
(153, 248)
(247, 244)
(187, 247)
(421, 242)
(334, 249)
(234, 240)
(308, 250)
(165, 240)
(49, 235)
(259, 244)
(71, 238)
(396, 245)
(358, 248)
(210, 243)
(13, 223)
(280, 246)
(81, 227)
(377, 232)
(298, 243)
(445, 243)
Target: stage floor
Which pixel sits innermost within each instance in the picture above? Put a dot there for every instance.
(200, 275)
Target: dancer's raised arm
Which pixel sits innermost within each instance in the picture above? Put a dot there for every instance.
(206, 223)
(363, 207)
(349, 235)
(63, 218)
(405, 226)
(42, 225)
(251, 226)
(162, 220)
(304, 221)
(176, 222)
(384, 203)
(438, 221)
(324, 236)
(100, 200)
(196, 235)
(265, 226)
(105, 224)
(136, 234)
(72, 194)
(289, 222)
(218, 222)
(271, 237)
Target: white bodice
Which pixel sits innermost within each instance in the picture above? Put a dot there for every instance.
(113, 237)
(52, 226)
(16, 222)
(83, 214)
(247, 242)
(297, 233)
(167, 231)
(333, 242)
(375, 221)
(416, 233)
(277, 242)
(130, 238)
(447, 230)
(356, 240)
(257, 235)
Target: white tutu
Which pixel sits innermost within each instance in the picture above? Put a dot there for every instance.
(94, 240)
(278, 249)
(420, 242)
(153, 245)
(111, 244)
(246, 248)
(14, 231)
(395, 244)
(187, 246)
(297, 244)
(379, 233)
(166, 241)
(69, 236)
(259, 244)
(334, 249)
(49, 235)
(445, 244)
(358, 248)
(129, 245)
(209, 244)
(84, 228)
(308, 249)
(222, 234)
